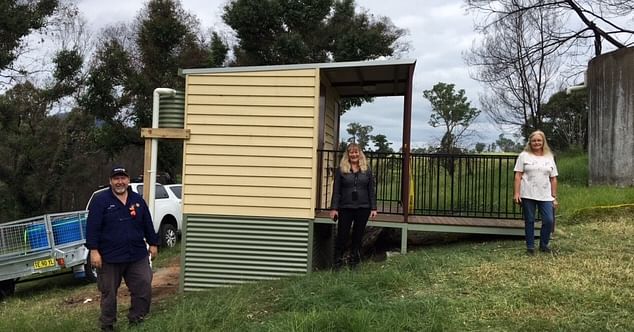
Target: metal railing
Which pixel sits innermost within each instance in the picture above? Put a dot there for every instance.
(465, 185)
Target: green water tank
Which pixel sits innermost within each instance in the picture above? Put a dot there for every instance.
(172, 111)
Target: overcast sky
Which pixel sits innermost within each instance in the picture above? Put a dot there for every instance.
(439, 31)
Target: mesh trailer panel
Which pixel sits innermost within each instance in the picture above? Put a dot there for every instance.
(25, 236)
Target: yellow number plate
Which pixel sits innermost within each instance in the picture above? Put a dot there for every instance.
(43, 263)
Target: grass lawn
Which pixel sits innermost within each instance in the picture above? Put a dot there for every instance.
(467, 285)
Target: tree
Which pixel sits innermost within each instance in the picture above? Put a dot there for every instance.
(108, 98)
(517, 77)
(218, 51)
(596, 22)
(296, 31)
(166, 39)
(507, 145)
(131, 61)
(451, 110)
(359, 134)
(479, 147)
(43, 147)
(17, 20)
(382, 144)
(421, 150)
(48, 141)
(566, 120)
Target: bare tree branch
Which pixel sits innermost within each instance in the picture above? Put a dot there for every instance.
(518, 61)
(589, 12)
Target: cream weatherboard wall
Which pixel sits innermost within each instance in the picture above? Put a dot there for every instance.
(248, 175)
(253, 142)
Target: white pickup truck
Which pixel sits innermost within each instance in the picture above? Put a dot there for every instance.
(168, 214)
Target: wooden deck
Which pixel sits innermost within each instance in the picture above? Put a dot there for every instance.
(420, 223)
(434, 220)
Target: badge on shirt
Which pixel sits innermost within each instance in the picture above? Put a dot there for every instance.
(133, 208)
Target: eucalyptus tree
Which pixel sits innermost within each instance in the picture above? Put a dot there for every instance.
(359, 134)
(18, 19)
(518, 68)
(296, 31)
(529, 44)
(132, 60)
(41, 147)
(382, 144)
(587, 24)
(479, 147)
(451, 110)
(566, 120)
(40, 129)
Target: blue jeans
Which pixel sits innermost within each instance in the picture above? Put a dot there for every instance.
(547, 213)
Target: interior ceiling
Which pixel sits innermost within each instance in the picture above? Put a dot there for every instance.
(369, 81)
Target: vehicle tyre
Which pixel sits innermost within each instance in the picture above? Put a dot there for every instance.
(7, 288)
(168, 235)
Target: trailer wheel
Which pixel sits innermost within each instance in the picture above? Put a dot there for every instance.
(168, 235)
(7, 288)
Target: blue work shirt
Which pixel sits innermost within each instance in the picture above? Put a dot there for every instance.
(119, 231)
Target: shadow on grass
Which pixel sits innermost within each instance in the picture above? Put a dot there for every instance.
(390, 241)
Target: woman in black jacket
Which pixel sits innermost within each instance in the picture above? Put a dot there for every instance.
(353, 202)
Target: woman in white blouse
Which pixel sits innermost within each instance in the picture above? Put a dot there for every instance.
(535, 186)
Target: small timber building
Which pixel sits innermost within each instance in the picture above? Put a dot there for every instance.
(259, 161)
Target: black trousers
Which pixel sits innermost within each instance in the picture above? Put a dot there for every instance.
(138, 278)
(356, 219)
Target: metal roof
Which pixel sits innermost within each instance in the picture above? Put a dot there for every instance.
(376, 78)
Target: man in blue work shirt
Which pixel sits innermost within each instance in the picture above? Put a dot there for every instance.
(119, 226)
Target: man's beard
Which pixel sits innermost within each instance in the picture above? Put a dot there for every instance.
(120, 190)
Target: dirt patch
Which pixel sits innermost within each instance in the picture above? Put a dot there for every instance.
(164, 284)
(165, 280)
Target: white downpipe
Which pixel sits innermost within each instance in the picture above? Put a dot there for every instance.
(155, 124)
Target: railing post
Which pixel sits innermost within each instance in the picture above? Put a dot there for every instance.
(407, 132)
(320, 177)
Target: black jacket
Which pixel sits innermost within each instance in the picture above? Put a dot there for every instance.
(343, 196)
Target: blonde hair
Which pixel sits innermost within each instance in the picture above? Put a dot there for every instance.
(545, 146)
(344, 164)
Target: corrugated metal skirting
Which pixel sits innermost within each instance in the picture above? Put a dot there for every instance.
(225, 251)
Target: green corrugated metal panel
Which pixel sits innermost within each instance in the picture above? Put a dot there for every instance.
(172, 111)
(223, 251)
